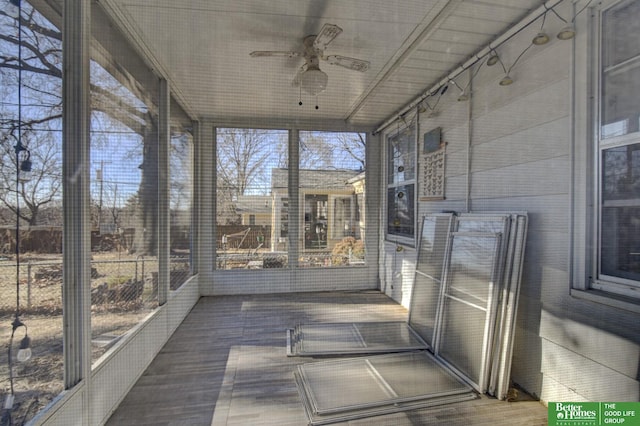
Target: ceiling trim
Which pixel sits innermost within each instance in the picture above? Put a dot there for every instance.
(429, 25)
(286, 124)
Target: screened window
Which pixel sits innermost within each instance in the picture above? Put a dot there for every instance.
(619, 150)
(401, 175)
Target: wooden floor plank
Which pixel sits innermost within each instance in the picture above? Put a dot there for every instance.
(226, 365)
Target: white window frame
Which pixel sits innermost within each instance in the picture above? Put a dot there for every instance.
(601, 281)
(392, 237)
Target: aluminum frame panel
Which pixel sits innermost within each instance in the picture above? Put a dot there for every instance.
(470, 290)
(426, 294)
(346, 389)
(352, 338)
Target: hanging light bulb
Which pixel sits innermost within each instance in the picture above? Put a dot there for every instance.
(506, 80)
(540, 39)
(493, 58)
(567, 33)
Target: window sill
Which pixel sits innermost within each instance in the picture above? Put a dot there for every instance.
(609, 299)
(400, 245)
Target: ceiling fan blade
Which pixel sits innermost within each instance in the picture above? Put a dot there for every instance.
(350, 63)
(265, 53)
(326, 35)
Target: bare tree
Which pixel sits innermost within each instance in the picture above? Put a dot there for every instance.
(332, 151)
(40, 65)
(353, 145)
(36, 188)
(315, 152)
(243, 158)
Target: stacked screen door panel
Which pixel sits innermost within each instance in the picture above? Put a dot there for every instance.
(466, 311)
(463, 306)
(427, 286)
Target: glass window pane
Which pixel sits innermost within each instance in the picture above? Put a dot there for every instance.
(180, 191)
(124, 143)
(252, 198)
(621, 31)
(620, 245)
(401, 211)
(342, 220)
(31, 270)
(315, 221)
(332, 181)
(401, 157)
(620, 70)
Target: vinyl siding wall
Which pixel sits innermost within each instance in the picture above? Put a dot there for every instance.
(529, 150)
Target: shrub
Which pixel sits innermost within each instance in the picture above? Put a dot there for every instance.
(348, 245)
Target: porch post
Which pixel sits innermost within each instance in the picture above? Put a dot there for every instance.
(195, 199)
(76, 281)
(373, 207)
(205, 186)
(294, 197)
(164, 228)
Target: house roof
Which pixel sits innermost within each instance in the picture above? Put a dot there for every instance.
(253, 204)
(322, 179)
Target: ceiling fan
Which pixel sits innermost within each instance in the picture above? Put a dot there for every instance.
(310, 78)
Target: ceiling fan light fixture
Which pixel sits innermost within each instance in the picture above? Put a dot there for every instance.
(567, 33)
(314, 81)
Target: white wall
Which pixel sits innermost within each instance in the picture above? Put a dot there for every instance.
(525, 156)
(115, 373)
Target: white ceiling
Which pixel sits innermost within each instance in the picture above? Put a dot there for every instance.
(203, 47)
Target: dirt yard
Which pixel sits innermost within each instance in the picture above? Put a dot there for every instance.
(113, 313)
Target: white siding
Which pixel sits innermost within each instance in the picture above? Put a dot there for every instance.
(523, 158)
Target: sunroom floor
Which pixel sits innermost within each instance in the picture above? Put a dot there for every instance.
(227, 365)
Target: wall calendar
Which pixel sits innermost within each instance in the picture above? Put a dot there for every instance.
(431, 167)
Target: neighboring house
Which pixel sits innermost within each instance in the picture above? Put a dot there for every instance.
(329, 202)
(254, 210)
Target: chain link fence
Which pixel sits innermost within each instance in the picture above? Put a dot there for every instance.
(124, 291)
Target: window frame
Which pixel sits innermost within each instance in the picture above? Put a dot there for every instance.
(601, 281)
(411, 127)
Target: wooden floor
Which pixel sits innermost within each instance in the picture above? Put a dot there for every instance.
(227, 365)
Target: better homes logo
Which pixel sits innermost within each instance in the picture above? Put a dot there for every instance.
(565, 414)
